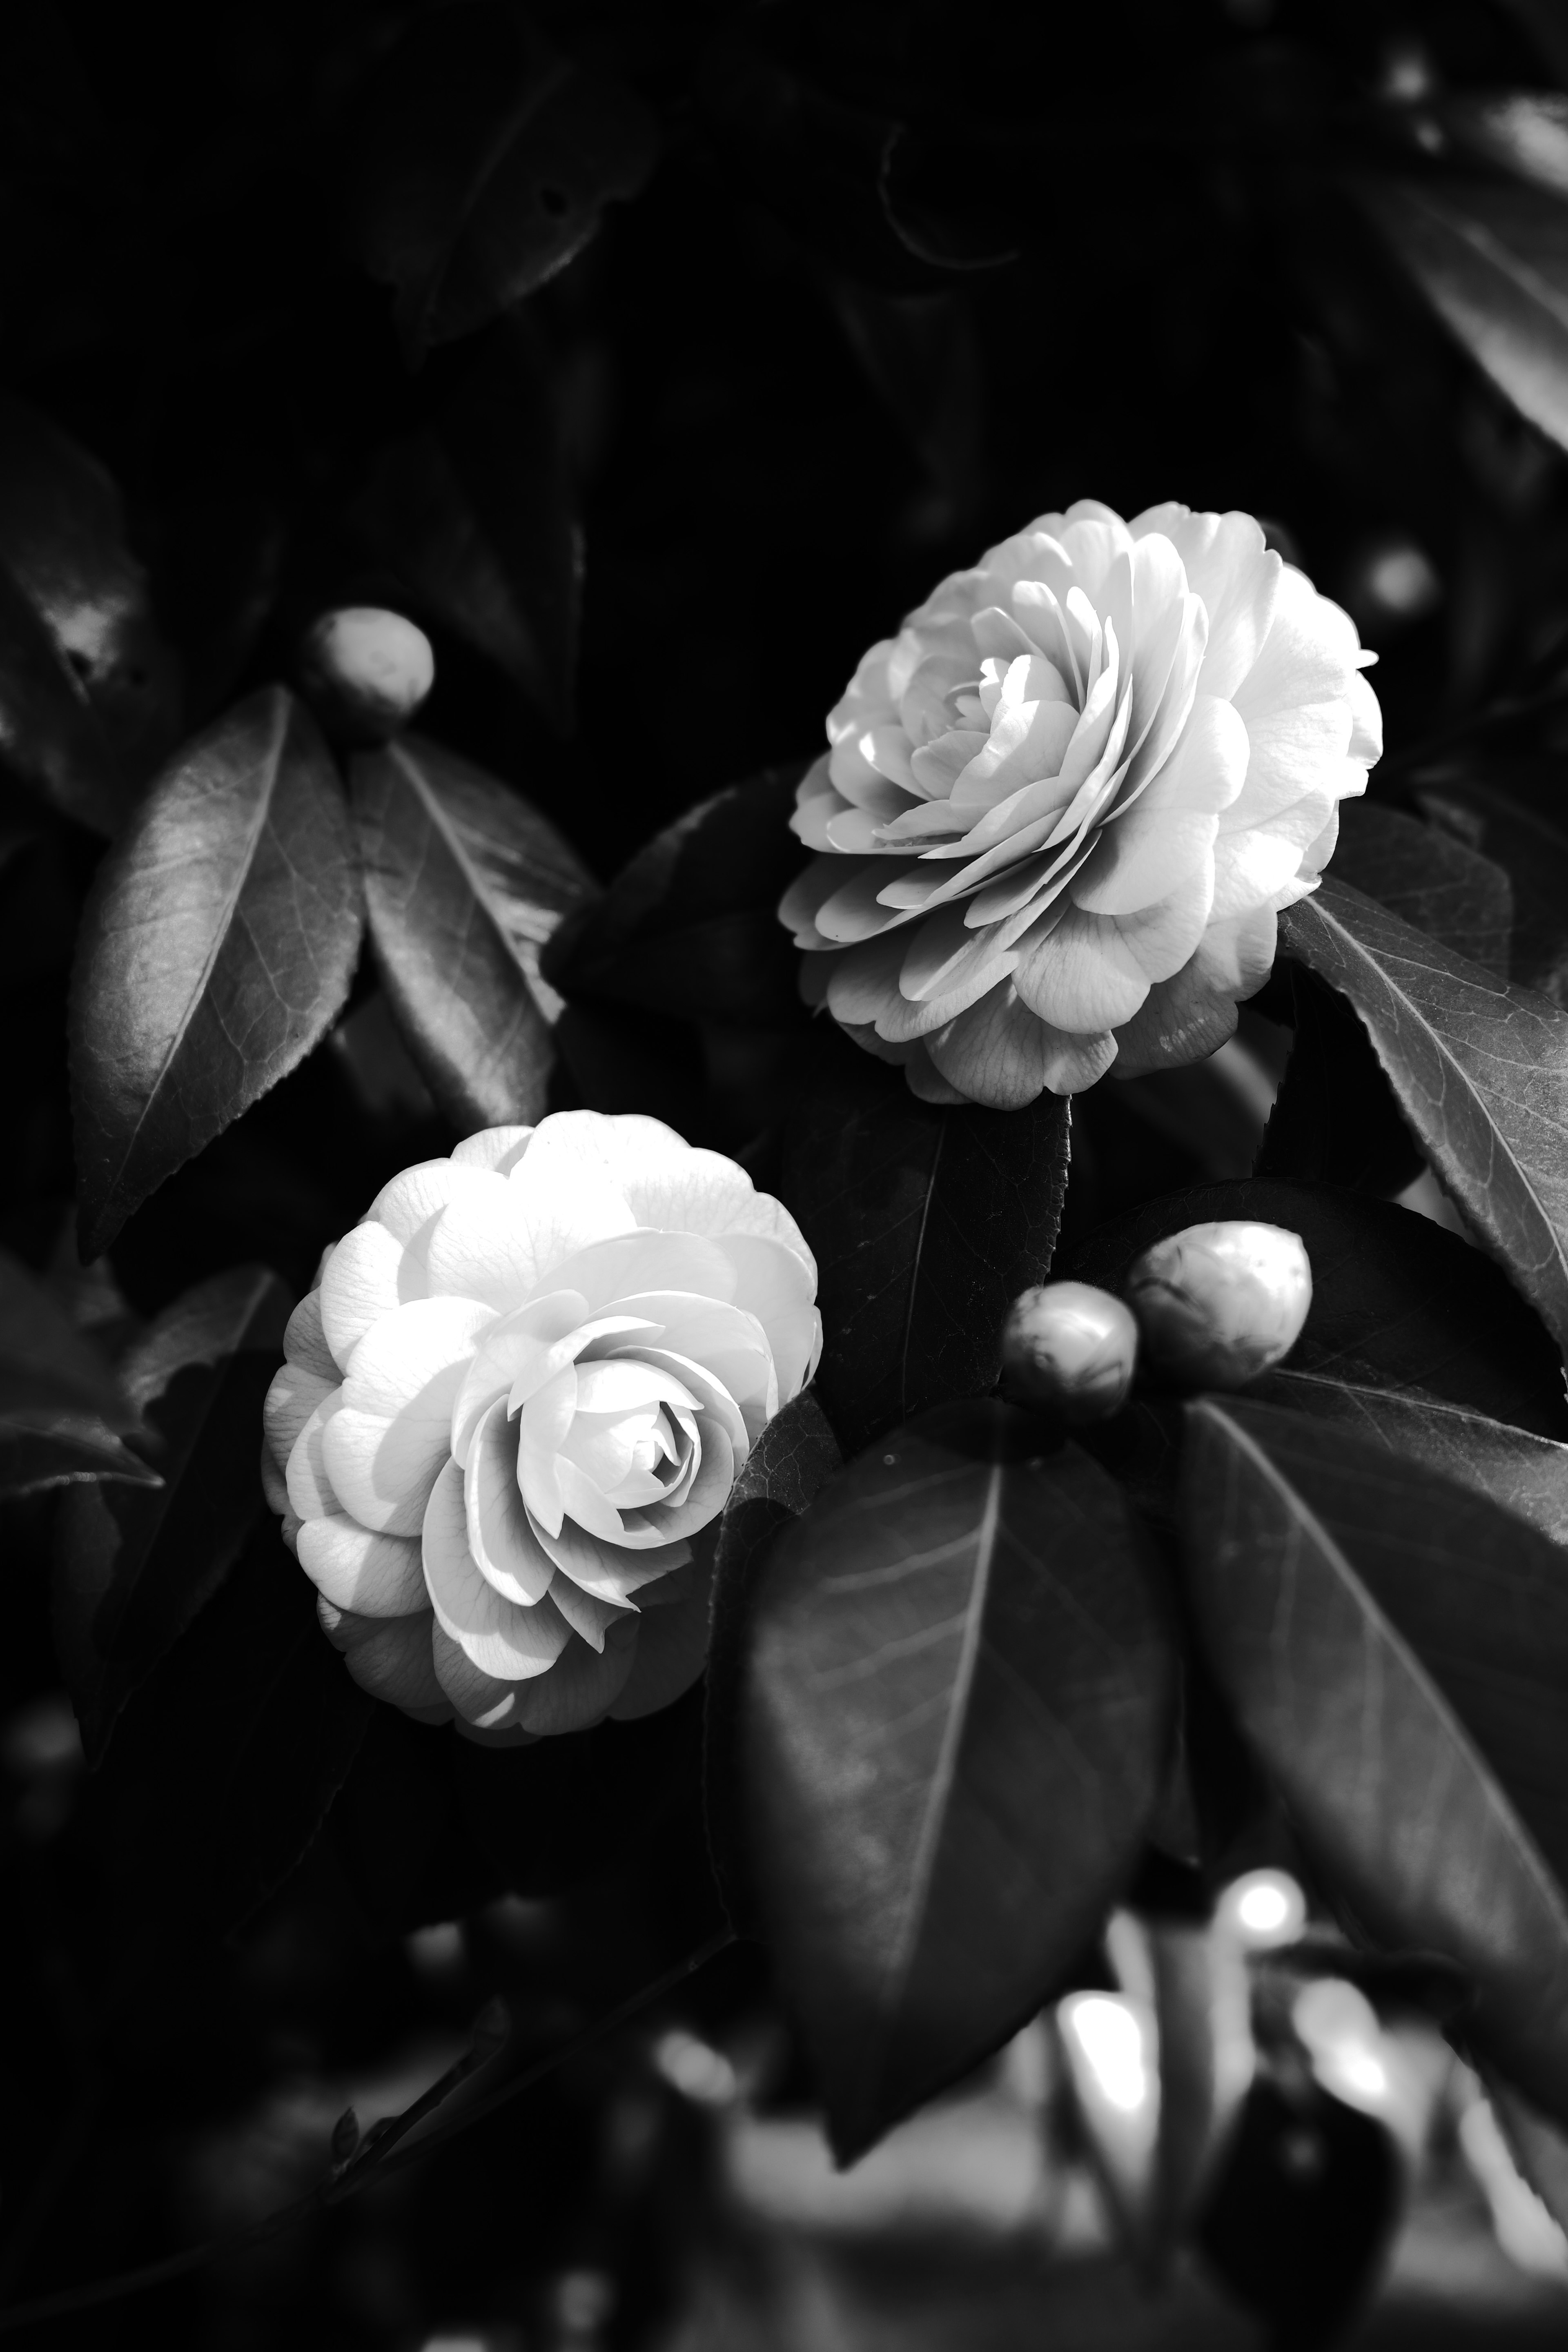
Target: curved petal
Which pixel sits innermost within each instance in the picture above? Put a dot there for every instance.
(355, 1568)
(498, 1148)
(305, 1342)
(485, 1704)
(580, 1685)
(609, 1572)
(999, 1054)
(588, 1616)
(515, 1356)
(290, 1400)
(310, 1489)
(372, 1274)
(390, 1658)
(496, 1635)
(413, 1361)
(412, 1198)
(671, 1651)
(774, 1284)
(275, 1483)
(500, 1541)
(382, 1471)
(1192, 1013)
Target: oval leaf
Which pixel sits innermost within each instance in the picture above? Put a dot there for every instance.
(957, 1712)
(1500, 786)
(690, 927)
(63, 1415)
(1397, 1302)
(1396, 1649)
(926, 1224)
(215, 951)
(485, 160)
(1427, 877)
(464, 883)
(1494, 262)
(1479, 1069)
(131, 1569)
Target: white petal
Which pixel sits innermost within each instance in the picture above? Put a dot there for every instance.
(411, 1199)
(587, 1616)
(495, 1148)
(580, 1685)
(516, 1355)
(382, 1471)
(413, 1361)
(500, 1540)
(487, 1703)
(391, 1658)
(305, 1342)
(354, 1568)
(496, 1635)
(371, 1274)
(1000, 1053)
(772, 1284)
(608, 1571)
(290, 1400)
(311, 1488)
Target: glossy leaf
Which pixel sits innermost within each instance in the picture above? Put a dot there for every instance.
(1503, 786)
(477, 516)
(1396, 1649)
(63, 1415)
(957, 1713)
(1429, 880)
(464, 883)
(926, 1224)
(133, 1568)
(690, 926)
(790, 1463)
(1479, 1069)
(1397, 1303)
(1493, 259)
(217, 950)
(237, 1743)
(88, 691)
(485, 160)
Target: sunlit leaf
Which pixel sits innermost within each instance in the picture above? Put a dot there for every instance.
(215, 952)
(956, 1717)
(926, 1224)
(1395, 1648)
(464, 883)
(133, 1568)
(484, 159)
(1480, 1070)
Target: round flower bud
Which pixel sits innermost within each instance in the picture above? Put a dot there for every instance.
(1069, 1349)
(366, 671)
(1217, 1305)
(1061, 809)
(513, 1407)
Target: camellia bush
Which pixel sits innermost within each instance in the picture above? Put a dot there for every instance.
(784, 905)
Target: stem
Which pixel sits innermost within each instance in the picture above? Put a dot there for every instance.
(367, 2167)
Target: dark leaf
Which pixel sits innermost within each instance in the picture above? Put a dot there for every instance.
(133, 1568)
(957, 1715)
(1493, 261)
(63, 1416)
(477, 516)
(690, 926)
(484, 159)
(397, 1828)
(88, 692)
(234, 1748)
(1395, 1648)
(921, 357)
(1542, 20)
(1479, 1069)
(786, 1470)
(1504, 787)
(1524, 1473)
(217, 950)
(926, 1224)
(464, 883)
(1426, 877)
(1397, 1302)
(560, 1812)
(1335, 1120)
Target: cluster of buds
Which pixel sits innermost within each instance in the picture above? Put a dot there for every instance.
(1211, 1307)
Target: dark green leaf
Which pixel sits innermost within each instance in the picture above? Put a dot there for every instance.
(88, 692)
(1503, 785)
(921, 357)
(1493, 261)
(790, 1461)
(1524, 1473)
(1335, 1120)
(690, 926)
(1479, 1069)
(485, 159)
(1428, 878)
(63, 1416)
(1397, 1303)
(926, 1224)
(464, 883)
(957, 1716)
(236, 1745)
(215, 952)
(133, 1568)
(1396, 1649)
(475, 515)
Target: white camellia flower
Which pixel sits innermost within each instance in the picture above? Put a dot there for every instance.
(522, 1387)
(1064, 805)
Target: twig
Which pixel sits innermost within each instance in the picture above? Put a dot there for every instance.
(367, 2166)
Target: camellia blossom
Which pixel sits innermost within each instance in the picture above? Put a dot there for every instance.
(520, 1392)
(1064, 806)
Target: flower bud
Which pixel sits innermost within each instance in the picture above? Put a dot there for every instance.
(1219, 1304)
(365, 671)
(1070, 1350)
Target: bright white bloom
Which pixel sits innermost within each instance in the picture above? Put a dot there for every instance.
(1064, 805)
(523, 1386)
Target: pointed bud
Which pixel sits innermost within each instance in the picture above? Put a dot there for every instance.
(365, 672)
(1070, 1350)
(1217, 1305)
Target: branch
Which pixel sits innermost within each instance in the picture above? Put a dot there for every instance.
(374, 2160)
